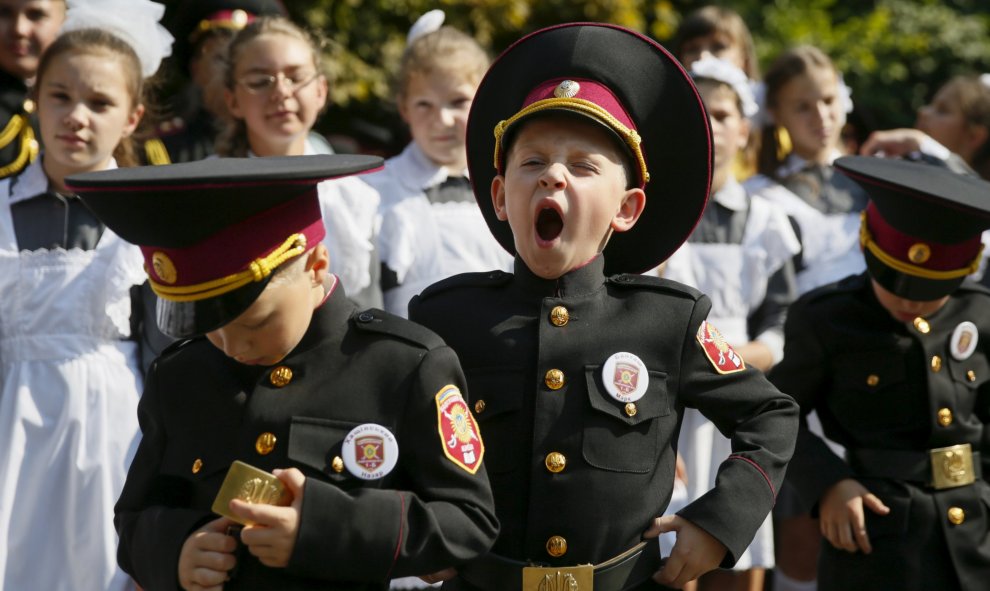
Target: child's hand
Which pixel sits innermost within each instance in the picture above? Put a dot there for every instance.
(207, 556)
(841, 516)
(273, 535)
(695, 552)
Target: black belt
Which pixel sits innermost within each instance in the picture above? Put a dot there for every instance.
(627, 570)
(912, 466)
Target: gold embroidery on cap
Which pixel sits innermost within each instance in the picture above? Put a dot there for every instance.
(919, 253)
(567, 89)
(164, 267)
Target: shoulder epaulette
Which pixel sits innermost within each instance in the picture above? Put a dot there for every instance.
(845, 285)
(485, 279)
(974, 286)
(174, 347)
(379, 321)
(654, 283)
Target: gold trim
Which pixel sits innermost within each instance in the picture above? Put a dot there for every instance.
(156, 152)
(258, 270)
(632, 139)
(29, 145)
(866, 241)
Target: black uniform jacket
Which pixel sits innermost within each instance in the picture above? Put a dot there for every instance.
(882, 386)
(202, 409)
(18, 136)
(619, 468)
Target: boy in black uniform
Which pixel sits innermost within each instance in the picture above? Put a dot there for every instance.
(27, 28)
(580, 376)
(895, 362)
(359, 413)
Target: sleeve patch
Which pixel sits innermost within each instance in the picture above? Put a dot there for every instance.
(459, 434)
(722, 357)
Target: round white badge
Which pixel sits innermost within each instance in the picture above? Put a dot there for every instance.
(625, 377)
(370, 451)
(964, 339)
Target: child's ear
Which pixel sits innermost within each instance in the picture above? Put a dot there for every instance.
(498, 197)
(977, 135)
(132, 120)
(232, 105)
(318, 264)
(323, 90)
(744, 128)
(631, 207)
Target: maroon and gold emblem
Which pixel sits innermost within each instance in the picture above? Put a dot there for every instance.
(369, 452)
(626, 377)
(718, 351)
(459, 433)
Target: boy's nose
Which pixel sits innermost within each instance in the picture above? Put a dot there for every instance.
(553, 177)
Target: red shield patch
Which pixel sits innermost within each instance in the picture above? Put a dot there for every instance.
(459, 434)
(626, 377)
(718, 351)
(370, 452)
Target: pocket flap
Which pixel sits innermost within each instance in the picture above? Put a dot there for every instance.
(653, 404)
(315, 442)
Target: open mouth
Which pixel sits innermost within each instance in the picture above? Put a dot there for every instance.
(549, 224)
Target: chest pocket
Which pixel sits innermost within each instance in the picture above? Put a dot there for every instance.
(496, 398)
(972, 372)
(871, 391)
(317, 445)
(617, 440)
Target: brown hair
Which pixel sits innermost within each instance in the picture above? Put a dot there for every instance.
(445, 50)
(788, 65)
(83, 41)
(710, 20)
(233, 138)
(973, 98)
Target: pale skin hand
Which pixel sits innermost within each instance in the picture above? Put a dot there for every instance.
(756, 354)
(842, 518)
(273, 536)
(695, 552)
(893, 142)
(207, 556)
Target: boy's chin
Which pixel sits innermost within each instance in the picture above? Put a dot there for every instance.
(549, 265)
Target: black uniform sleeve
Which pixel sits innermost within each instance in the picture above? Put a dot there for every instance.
(445, 517)
(803, 374)
(150, 523)
(761, 423)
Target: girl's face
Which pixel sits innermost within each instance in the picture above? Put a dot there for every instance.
(809, 107)
(27, 28)
(436, 106)
(278, 92)
(730, 130)
(85, 109)
(945, 121)
(715, 44)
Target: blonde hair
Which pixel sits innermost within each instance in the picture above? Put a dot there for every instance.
(445, 50)
(82, 41)
(233, 138)
(788, 66)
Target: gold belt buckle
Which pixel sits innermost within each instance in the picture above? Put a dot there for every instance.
(952, 466)
(569, 578)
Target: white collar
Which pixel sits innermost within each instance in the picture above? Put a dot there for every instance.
(416, 171)
(795, 163)
(732, 196)
(33, 181)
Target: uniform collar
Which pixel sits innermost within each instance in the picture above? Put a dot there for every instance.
(33, 182)
(731, 196)
(416, 171)
(329, 320)
(582, 280)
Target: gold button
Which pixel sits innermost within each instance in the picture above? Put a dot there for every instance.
(554, 379)
(944, 417)
(936, 363)
(556, 546)
(971, 375)
(555, 462)
(479, 407)
(955, 514)
(631, 409)
(28, 105)
(922, 325)
(337, 465)
(265, 443)
(559, 316)
(280, 376)
(872, 380)
(197, 466)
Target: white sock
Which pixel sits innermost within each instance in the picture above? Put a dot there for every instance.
(782, 582)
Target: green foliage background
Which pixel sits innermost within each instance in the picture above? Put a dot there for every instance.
(894, 53)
